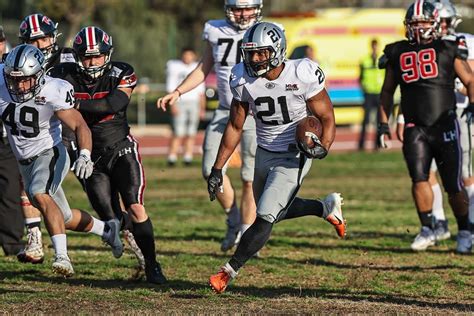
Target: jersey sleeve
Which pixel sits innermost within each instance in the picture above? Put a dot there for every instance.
(128, 79)
(462, 51)
(62, 96)
(237, 81)
(384, 60)
(172, 78)
(312, 75)
(206, 32)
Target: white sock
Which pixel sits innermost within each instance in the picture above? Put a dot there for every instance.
(172, 158)
(188, 158)
(243, 228)
(97, 227)
(230, 270)
(438, 210)
(32, 220)
(470, 195)
(59, 244)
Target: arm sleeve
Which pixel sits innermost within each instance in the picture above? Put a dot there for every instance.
(64, 97)
(114, 102)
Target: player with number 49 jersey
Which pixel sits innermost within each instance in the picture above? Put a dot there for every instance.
(277, 114)
(426, 76)
(33, 124)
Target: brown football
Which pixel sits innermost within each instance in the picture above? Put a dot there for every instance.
(307, 126)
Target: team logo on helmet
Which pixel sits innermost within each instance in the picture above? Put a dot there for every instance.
(47, 20)
(23, 26)
(78, 40)
(106, 38)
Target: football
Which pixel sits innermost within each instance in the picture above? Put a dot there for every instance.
(306, 127)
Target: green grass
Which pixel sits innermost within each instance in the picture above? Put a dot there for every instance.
(304, 268)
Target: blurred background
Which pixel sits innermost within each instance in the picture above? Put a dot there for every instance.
(147, 33)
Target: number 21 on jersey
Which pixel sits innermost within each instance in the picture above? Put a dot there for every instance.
(416, 65)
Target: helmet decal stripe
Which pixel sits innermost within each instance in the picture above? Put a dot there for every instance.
(419, 8)
(18, 56)
(34, 24)
(90, 38)
(252, 31)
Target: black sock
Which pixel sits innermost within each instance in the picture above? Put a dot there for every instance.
(426, 219)
(143, 233)
(252, 241)
(463, 222)
(35, 224)
(302, 207)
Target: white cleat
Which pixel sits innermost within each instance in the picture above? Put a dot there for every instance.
(33, 251)
(424, 239)
(332, 212)
(62, 265)
(464, 240)
(112, 238)
(441, 230)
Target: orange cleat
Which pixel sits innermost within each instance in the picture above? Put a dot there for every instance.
(333, 213)
(219, 281)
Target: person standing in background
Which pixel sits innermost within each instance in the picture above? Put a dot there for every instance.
(11, 216)
(371, 80)
(189, 109)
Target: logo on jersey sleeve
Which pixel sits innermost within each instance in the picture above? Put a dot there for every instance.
(270, 85)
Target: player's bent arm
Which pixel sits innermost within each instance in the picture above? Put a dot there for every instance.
(116, 101)
(386, 95)
(74, 120)
(465, 74)
(232, 132)
(196, 77)
(321, 106)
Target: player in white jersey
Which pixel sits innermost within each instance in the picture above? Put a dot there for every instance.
(223, 39)
(32, 107)
(280, 93)
(189, 108)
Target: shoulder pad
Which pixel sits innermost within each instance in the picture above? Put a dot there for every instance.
(450, 37)
(306, 70)
(238, 75)
(462, 50)
(121, 69)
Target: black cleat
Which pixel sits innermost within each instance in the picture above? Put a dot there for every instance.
(154, 274)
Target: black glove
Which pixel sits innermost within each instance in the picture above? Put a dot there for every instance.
(382, 130)
(469, 110)
(214, 183)
(318, 151)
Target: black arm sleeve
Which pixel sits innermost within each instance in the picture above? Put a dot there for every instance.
(114, 102)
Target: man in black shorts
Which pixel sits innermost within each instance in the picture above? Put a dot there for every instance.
(425, 68)
(102, 90)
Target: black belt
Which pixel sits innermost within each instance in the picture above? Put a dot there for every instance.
(26, 162)
(291, 148)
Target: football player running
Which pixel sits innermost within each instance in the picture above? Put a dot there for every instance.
(425, 67)
(40, 31)
(103, 90)
(32, 105)
(223, 38)
(280, 93)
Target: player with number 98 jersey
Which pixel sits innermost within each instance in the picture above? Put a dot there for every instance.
(33, 126)
(277, 114)
(426, 76)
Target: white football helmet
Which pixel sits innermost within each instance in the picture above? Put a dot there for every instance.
(447, 10)
(263, 36)
(24, 73)
(241, 22)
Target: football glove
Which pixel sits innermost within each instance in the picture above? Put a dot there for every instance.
(469, 111)
(383, 130)
(214, 183)
(317, 152)
(83, 166)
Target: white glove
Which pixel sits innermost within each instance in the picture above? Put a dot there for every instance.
(83, 164)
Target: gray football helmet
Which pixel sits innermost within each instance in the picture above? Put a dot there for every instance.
(263, 36)
(24, 73)
(243, 23)
(447, 10)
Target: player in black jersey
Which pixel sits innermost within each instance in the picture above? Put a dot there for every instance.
(425, 68)
(102, 90)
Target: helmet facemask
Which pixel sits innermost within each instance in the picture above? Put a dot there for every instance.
(16, 83)
(95, 72)
(242, 22)
(422, 34)
(259, 68)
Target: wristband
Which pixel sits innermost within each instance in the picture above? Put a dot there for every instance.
(400, 119)
(85, 152)
(179, 92)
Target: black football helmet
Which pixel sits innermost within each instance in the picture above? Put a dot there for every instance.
(93, 41)
(422, 11)
(36, 26)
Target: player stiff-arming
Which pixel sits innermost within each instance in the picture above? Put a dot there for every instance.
(280, 93)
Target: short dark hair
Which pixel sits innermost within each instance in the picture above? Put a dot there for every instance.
(187, 49)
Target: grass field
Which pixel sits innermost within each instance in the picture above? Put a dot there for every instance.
(304, 268)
